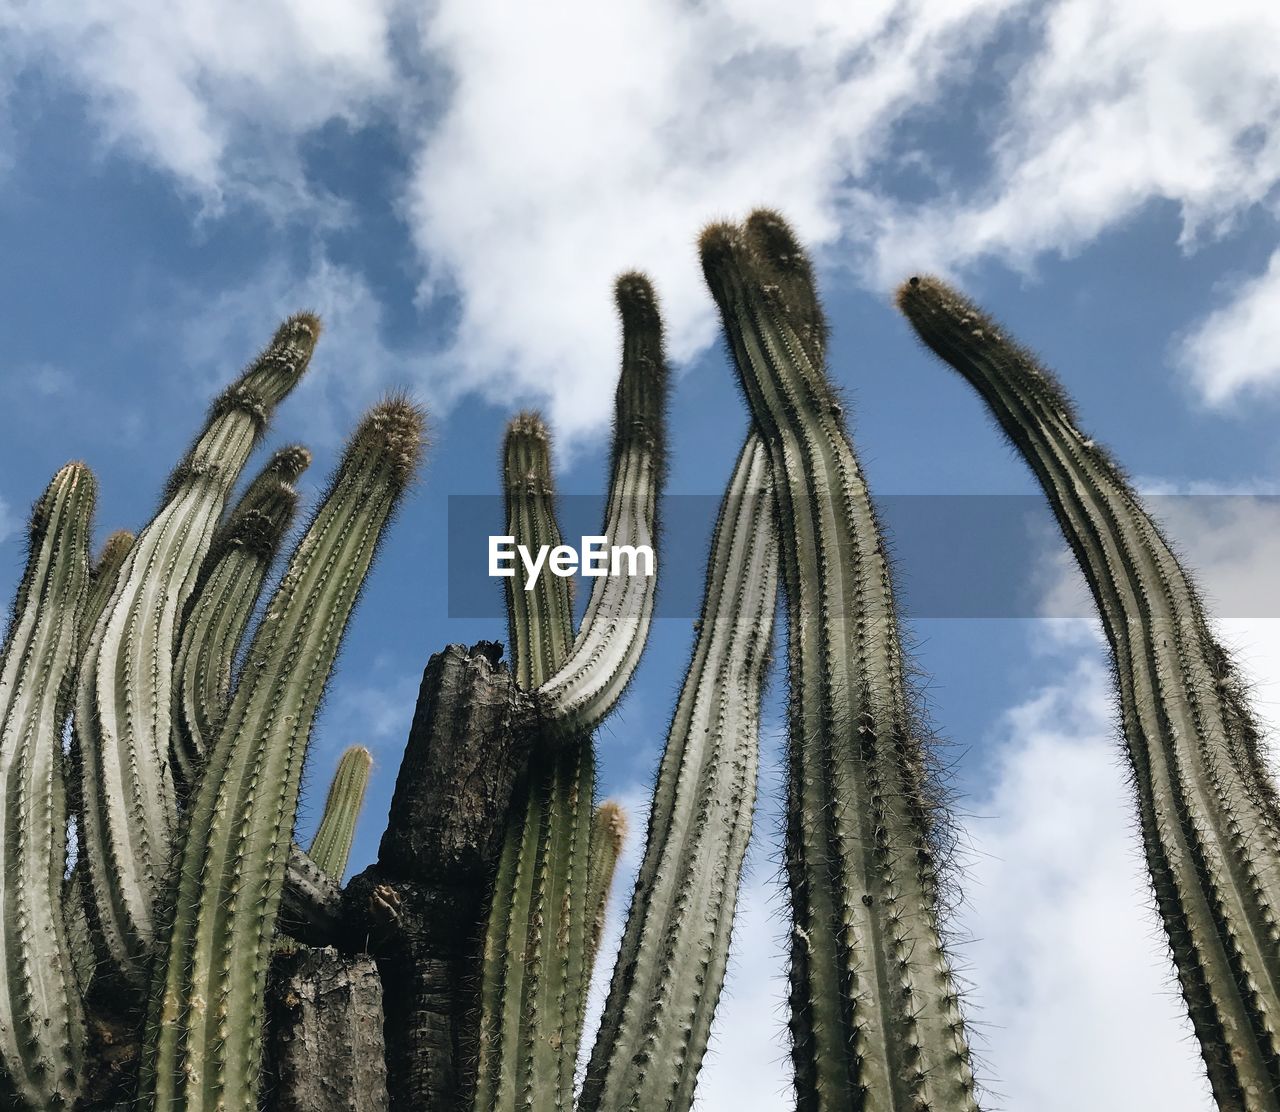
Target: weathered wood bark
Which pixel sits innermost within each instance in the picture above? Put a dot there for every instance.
(419, 910)
(325, 1041)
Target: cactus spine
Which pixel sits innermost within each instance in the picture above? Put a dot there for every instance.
(204, 1037)
(102, 574)
(332, 844)
(1210, 826)
(535, 941)
(227, 592)
(875, 1020)
(124, 699)
(42, 1027)
(612, 636)
(671, 966)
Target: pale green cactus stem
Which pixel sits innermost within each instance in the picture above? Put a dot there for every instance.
(332, 844)
(875, 1017)
(609, 828)
(612, 636)
(124, 697)
(103, 573)
(204, 1029)
(670, 969)
(531, 994)
(1206, 806)
(42, 1026)
(219, 611)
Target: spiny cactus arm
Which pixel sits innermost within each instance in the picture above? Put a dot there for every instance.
(612, 636)
(311, 906)
(42, 1027)
(204, 1032)
(332, 843)
(103, 573)
(219, 611)
(533, 961)
(124, 696)
(875, 1019)
(608, 836)
(1207, 813)
(675, 946)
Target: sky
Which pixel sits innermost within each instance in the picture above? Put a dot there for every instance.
(453, 186)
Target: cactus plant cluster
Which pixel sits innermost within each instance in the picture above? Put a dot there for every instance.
(185, 953)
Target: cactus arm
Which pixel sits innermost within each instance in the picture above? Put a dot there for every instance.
(533, 963)
(1207, 812)
(103, 573)
(875, 1019)
(205, 1024)
(332, 843)
(611, 639)
(42, 1028)
(675, 946)
(608, 836)
(124, 696)
(219, 612)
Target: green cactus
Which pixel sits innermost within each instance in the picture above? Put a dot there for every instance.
(218, 614)
(332, 844)
(208, 988)
(1207, 809)
(608, 837)
(122, 712)
(531, 996)
(875, 1019)
(670, 969)
(42, 1024)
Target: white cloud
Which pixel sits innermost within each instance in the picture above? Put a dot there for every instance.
(1235, 350)
(214, 93)
(9, 523)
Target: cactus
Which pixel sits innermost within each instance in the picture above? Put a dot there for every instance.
(1207, 809)
(332, 843)
(875, 1020)
(122, 712)
(608, 837)
(531, 995)
(103, 573)
(230, 582)
(671, 966)
(208, 988)
(42, 1025)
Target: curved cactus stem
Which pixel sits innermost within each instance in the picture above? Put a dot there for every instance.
(204, 1031)
(1210, 825)
(103, 574)
(124, 696)
(608, 836)
(675, 946)
(875, 1019)
(332, 844)
(219, 611)
(42, 1027)
(611, 639)
(533, 963)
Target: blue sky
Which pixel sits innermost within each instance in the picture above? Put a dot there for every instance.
(453, 186)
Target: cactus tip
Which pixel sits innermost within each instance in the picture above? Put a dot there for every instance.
(636, 300)
(301, 329)
(776, 240)
(614, 819)
(290, 462)
(717, 244)
(396, 426)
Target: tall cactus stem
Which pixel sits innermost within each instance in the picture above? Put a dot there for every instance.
(218, 612)
(204, 1030)
(609, 828)
(533, 968)
(103, 572)
(607, 649)
(875, 1019)
(1207, 810)
(332, 844)
(675, 946)
(124, 696)
(42, 1025)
